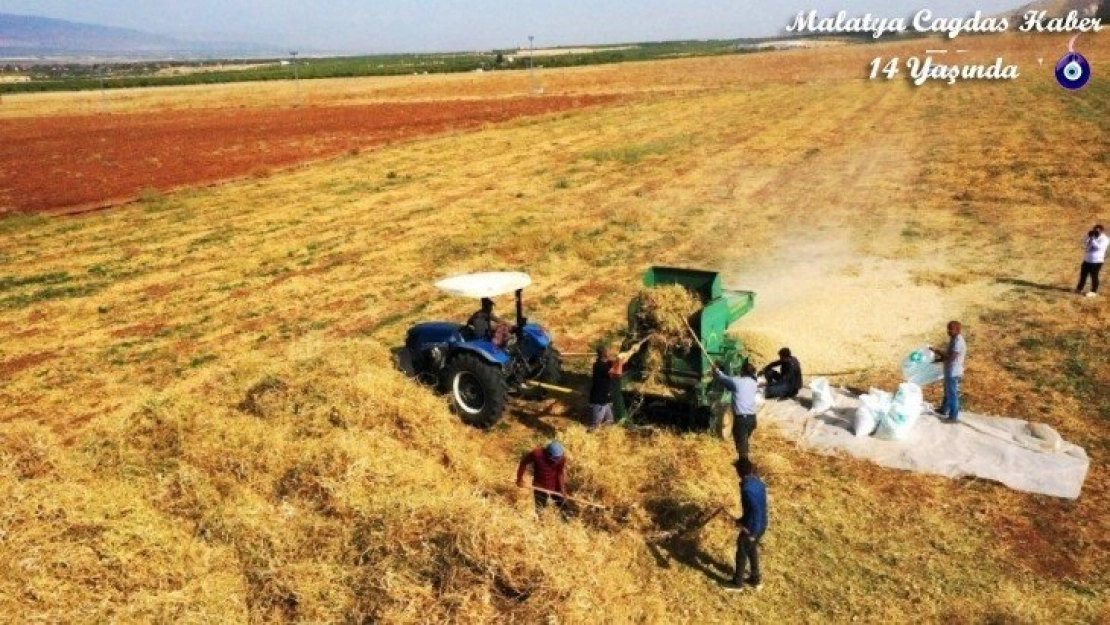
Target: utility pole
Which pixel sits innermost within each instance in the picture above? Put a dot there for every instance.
(103, 93)
(531, 65)
(296, 78)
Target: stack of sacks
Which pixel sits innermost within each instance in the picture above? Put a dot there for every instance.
(890, 418)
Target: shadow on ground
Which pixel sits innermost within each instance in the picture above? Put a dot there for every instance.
(1026, 284)
(538, 403)
(681, 523)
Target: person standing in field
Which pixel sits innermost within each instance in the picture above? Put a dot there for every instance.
(743, 389)
(784, 376)
(752, 524)
(1094, 255)
(605, 370)
(548, 475)
(953, 358)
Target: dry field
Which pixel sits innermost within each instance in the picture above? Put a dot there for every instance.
(200, 420)
(93, 161)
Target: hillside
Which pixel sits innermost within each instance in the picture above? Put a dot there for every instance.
(1063, 7)
(26, 34)
(33, 36)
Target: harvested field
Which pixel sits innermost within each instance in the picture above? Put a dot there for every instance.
(202, 423)
(828, 65)
(74, 163)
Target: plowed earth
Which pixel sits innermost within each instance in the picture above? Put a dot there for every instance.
(63, 164)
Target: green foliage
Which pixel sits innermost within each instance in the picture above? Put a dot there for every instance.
(632, 154)
(85, 77)
(49, 293)
(11, 282)
(1068, 360)
(201, 360)
(15, 222)
(1090, 104)
(912, 230)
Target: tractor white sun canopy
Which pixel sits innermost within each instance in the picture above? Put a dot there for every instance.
(487, 284)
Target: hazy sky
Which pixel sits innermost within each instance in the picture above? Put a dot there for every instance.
(442, 25)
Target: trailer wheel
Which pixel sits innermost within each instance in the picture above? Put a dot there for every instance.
(552, 367)
(478, 390)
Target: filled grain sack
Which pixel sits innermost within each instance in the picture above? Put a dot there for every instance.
(824, 397)
(905, 408)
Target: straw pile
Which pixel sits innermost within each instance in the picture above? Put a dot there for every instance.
(321, 486)
(324, 487)
(662, 315)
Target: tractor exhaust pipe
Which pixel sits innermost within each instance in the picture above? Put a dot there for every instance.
(520, 320)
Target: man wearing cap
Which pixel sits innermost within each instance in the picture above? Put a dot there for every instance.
(548, 469)
(752, 524)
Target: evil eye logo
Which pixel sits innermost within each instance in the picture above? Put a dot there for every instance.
(1073, 71)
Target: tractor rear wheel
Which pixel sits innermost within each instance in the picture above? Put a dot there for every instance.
(478, 390)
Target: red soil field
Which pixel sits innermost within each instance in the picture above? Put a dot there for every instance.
(73, 163)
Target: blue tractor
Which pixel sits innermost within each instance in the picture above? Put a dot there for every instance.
(479, 367)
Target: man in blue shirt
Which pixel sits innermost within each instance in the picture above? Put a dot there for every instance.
(752, 524)
(743, 391)
(953, 359)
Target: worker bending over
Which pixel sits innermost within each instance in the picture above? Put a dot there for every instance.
(548, 471)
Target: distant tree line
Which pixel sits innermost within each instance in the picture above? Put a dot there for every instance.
(78, 76)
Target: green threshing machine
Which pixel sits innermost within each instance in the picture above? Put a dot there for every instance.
(692, 400)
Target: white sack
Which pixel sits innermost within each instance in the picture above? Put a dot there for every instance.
(824, 398)
(918, 367)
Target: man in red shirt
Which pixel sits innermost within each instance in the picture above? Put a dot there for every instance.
(548, 469)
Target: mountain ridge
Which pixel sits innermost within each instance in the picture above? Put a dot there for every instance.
(31, 35)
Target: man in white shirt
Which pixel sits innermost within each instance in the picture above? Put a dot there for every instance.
(743, 389)
(1094, 255)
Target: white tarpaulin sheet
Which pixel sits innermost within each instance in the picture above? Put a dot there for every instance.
(1023, 456)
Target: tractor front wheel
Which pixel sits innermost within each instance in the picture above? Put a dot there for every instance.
(478, 390)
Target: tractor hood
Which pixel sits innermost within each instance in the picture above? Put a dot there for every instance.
(487, 284)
